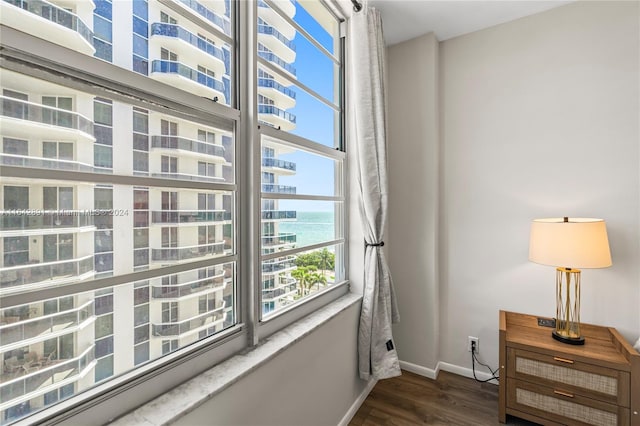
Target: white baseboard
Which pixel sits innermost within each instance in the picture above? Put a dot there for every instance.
(420, 370)
(444, 366)
(357, 403)
(464, 371)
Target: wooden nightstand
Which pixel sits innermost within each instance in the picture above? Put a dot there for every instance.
(552, 383)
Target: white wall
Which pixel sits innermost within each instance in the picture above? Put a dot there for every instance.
(539, 117)
(314, 382)
(413, 196)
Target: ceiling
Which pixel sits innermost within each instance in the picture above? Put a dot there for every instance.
(406, 19)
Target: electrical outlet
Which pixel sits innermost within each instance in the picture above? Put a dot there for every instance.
(473, 340)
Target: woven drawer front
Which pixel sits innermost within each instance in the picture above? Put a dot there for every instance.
(567, 409)
(557, 373)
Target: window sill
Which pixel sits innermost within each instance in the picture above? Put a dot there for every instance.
(174, 404)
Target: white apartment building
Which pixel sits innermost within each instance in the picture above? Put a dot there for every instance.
(51, 232)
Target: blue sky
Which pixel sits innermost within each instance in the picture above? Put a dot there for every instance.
(314, 120)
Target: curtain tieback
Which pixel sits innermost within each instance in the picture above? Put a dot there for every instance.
(380, 244)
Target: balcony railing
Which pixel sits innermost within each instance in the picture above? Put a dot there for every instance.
(278, 189)
(272, 57)
(278, 292)
(170, 30)
(278, 265)
(278, 214)
(35, 378)
(44, 219)
(186, 289)
(37, 272)
(280, 164)
(274, 240)
(57, 15)
(222, 22)
(185, 176)
(177, 254)
(29, 328)
(262, 3)
(189, 216)
(49, 163)
(178, 328)
(270, 109)
(176, 142)
(24, 110)
(272, 84)
(269, 30)
(171, 67)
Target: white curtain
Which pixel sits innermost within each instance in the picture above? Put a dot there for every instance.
(377, 356)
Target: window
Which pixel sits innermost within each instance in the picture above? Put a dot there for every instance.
(302, 235)
(132, 151)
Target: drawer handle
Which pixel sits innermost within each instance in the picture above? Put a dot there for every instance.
(567, 394)
(568, 361)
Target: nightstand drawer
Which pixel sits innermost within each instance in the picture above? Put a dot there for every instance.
(560, 405)
(592, 381)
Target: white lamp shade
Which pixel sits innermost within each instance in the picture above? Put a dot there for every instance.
(577, 243)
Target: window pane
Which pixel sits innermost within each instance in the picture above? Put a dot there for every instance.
(290, 279)
(141, 353)
(92, 28)
(90, 146)
(141, 315)
(282, 103)
(102, 28)
(298, 223)
(66, 335)
(77, 252)
(104, 326)
(290, 171)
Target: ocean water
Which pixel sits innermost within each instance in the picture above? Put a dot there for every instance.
(310, 227)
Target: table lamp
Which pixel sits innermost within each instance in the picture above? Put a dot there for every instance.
(567, 244)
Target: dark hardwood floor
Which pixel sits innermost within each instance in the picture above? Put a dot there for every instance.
(415, 400)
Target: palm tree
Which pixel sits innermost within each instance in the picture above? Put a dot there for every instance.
(302, 276)
(325, 259)
(318, 278)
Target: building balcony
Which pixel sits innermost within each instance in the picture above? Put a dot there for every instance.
(190, 217)
(276, 42)
(278, 240)
(42, 222)
(278, 265)
(281, 95)
(40, 377)
(14, 331)
(216, 17)
(213, 153)
(191, 288)
(274, 19)
(48, 21)
(278, 166)
(279, 215)
(192, 325)
(276, 117)
(27, 120)
(178, 39)
(273, 294)
(287, 68)
(49, 273)
(186, 176)
(278, 189)
(178, 254)
(49, 163)
(188, 79)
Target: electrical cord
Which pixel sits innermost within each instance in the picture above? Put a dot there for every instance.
(474, 359)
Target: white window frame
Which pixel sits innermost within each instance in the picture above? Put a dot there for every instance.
(114, 397)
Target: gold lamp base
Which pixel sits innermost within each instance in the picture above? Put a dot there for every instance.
(568, 307)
